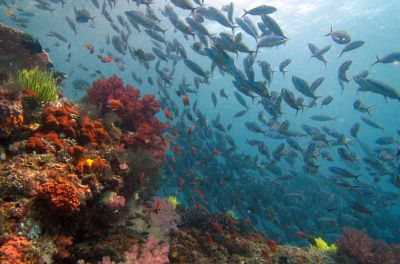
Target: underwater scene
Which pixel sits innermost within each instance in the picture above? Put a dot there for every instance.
(199, 131)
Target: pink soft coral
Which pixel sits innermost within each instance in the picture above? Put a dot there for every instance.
(164, 215)
(154, 251)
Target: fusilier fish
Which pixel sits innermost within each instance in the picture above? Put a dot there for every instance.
(339, 36)
(352, 46)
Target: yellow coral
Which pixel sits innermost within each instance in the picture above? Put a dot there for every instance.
(172, 200)
(320, 244)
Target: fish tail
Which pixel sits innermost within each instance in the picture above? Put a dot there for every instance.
(369, 109)
(245, 13)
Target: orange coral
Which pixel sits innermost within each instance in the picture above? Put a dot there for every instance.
(91, 165)
(61, 196)
(76, 152)
(37, 142)
(14, 250)
(92, 132)
(62, 119)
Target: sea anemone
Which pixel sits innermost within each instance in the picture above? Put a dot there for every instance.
(43, 84)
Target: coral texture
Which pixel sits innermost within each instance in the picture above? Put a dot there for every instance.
(137, 114)
(360, 247)
(14, 250)
(153, 251)
(61, 196)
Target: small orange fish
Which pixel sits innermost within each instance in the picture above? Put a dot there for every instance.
(114, 104)
(300, 234)
(217, 152)
(89, 47)
(107, 59)
(168, 114)
(158, 208)
(175, 133)
(176, 149)
(197, 205)
(190, 129)
(141, 178)
(29, 92)
(218, 228)
(185, 100)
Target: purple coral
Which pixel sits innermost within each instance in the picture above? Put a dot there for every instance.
(154, 251)
(365, 250)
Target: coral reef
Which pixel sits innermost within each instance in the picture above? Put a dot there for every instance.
(153, 251)
(15, 250)
(143, 129)
(11, 113)
(20, 51)
(357, 246)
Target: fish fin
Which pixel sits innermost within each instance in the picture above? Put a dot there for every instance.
(377, 60)
(340, 55)
(330, 32)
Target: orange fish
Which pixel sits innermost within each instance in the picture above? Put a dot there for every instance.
(114, 104)
(185, 100)
(107, 59)
(168, 114)
(300, 234)
(176, 149)
(218, 228)
(89, 47)
(175, 133)
(158, 207)
(141, 178)
(29, 92)
(190, 129)
(217, 152)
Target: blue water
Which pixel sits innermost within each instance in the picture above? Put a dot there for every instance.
(278, 208)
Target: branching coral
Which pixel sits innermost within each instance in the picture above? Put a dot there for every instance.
(43, 84)
(153, 251)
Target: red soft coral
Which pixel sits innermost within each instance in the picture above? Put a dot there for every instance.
(137, 114)
(365, 250)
